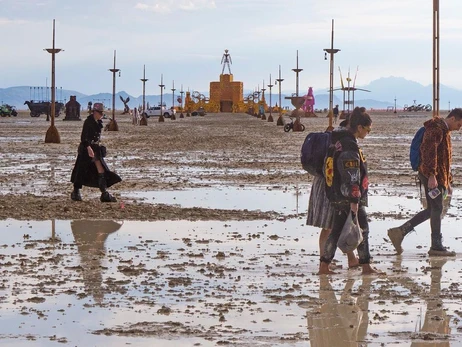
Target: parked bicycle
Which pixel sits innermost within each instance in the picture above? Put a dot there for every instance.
(290, 126)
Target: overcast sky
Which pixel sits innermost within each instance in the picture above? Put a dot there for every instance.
(185, 40)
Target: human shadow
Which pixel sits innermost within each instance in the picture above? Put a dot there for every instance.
(343, 322)
(90, 237)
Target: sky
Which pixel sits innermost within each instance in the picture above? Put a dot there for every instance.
(184, 41)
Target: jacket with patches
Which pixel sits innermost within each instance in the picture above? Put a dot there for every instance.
(346, 174)
(436, 152)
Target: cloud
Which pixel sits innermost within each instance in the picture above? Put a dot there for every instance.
(167, 6)
(6, 21)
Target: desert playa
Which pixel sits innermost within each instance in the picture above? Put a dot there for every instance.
(207, 244)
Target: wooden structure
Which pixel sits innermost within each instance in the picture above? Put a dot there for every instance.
(72, 109)
(227, 94)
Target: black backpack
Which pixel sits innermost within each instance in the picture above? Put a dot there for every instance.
(314, 150)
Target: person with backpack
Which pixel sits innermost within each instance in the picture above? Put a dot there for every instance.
(434, 172)
(346, 188)
(320, 211)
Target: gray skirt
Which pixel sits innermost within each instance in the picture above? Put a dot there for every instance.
(320, 210)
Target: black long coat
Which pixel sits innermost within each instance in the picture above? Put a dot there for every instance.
(85, 172)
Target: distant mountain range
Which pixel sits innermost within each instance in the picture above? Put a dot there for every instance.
(382, 94)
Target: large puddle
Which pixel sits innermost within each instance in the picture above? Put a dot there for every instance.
(210, 283)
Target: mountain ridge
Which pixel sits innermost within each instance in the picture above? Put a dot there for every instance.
(382, 95)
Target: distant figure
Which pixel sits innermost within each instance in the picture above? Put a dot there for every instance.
(136, 116)
(335, 114)
(226, 60)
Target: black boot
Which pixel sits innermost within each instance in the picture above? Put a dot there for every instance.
(105, 196)
(437, 248)
(75, 195)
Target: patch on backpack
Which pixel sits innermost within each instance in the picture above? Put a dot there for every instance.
(350, 164)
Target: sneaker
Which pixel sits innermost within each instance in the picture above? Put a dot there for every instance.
(396, 237)
(106, 197)
(75, 196)
(444, 252)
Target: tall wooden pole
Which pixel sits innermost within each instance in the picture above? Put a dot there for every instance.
(270, 85)
(162, 86)
(113, 124)
(52, 135)
(331, 52)
(144, 80)
(436, 58)
(279, 80)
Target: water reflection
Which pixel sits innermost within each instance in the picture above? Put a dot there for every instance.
(343, 322)
(90, 237)
(436, 322)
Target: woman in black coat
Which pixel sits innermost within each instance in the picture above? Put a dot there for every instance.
(90, 169)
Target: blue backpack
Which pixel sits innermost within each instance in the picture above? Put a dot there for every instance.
(414, 152)
(314, 150)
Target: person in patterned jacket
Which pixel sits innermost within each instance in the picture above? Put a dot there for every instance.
(435, 174)
(348, 193)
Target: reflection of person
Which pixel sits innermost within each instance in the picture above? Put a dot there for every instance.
(434, 172)
(320, 211)
(90, 237)
(335, 113)
(340, 322)
(90, 168)
(349, 187)
(436, 319)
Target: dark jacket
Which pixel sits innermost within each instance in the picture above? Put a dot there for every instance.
(85, 172)
(347, 172)
(436, 152)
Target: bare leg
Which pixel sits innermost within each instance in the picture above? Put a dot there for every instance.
(322, 239)
(352, 259)
(99, 167)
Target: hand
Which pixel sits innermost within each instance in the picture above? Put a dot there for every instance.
(91, 154)
(354, 207)
(432, 183)
(449, 190)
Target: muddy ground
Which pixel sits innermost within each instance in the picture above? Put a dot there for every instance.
(169, 275)
(216, 150)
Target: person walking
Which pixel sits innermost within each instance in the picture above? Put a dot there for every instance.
(335, 110)
(320, 210)
(434, 172)
(90, 169)
(349, 190)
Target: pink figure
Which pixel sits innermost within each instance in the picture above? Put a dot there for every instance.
(309, 101)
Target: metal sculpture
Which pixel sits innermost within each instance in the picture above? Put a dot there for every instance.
(226, 61)
(43, 107)
(349, 91)
(308, 105)
(125, 101)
